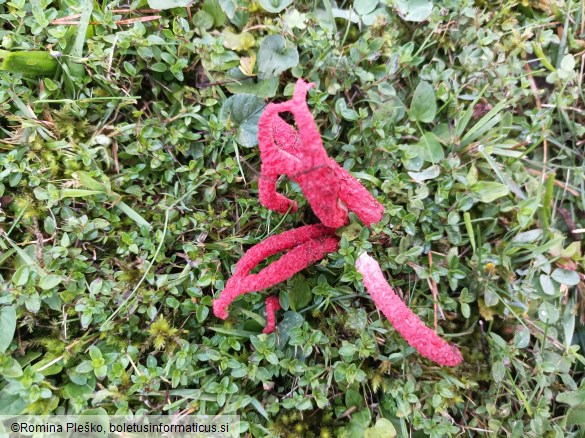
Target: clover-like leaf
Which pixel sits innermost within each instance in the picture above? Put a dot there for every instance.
(429, 173)
(429, 149)
(168, 4)
(489, 191)
(274, 6)
(242, 112)
(364, 7)
(414, 10)
(274, 56)
(249, 85)
(423, 107)
(565, 276)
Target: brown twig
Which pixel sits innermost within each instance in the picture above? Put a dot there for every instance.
(71, 20)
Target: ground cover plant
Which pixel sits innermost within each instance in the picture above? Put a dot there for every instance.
(129, 172)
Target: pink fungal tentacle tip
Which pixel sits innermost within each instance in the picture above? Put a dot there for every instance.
(412, 329)
(272, 306)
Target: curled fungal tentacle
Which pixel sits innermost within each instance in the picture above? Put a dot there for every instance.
(305, 246)
(418, 335)
(299, 154)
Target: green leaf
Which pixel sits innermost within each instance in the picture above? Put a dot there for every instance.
(465, 310)
(345, 112)
(213, 8)
(95, 352)
(20, 277)
(572, 398)
(12, 404)
(229, 7)
(274, 6)
(168, 4)
(565, 276)
(50, 281)
(300, 295)
(274, 56)
(248, 85)
(522, 337)
(498, 371)
(84, 367)
(429, 173)
(130, 69)
(290, 321)
(576, 415)
(7, 326)
(547, 285)
(201, 313)
(382, 429)
(242, 112)
(49, 225)
(423, 106)
(364, 7)
(568, 63)
(429, 149)
(159, 67)
(414, 10)
(237, 41)
(33, 302)
(489, 191)
(548, 313)
(490, 297)
(527, 236)
(203, 20)
(11, 368)
(101, 372)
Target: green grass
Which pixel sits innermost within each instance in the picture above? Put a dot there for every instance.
(127, 196)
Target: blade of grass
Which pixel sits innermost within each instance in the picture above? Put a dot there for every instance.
(79, 193)
(464, 121)
(25, 256)
(566, 30)
(329, 10)
(469, 228)
(504, 178)
(133, 214)
(233, 332)
(86, 10)
(547, 202)
(469, 136)
(26, 111)
(254, 316)
(17, 220)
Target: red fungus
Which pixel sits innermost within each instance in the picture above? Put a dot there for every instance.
(331, 192)
(272, 305)
(306, 245)
(418, 335)
(299, 154)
